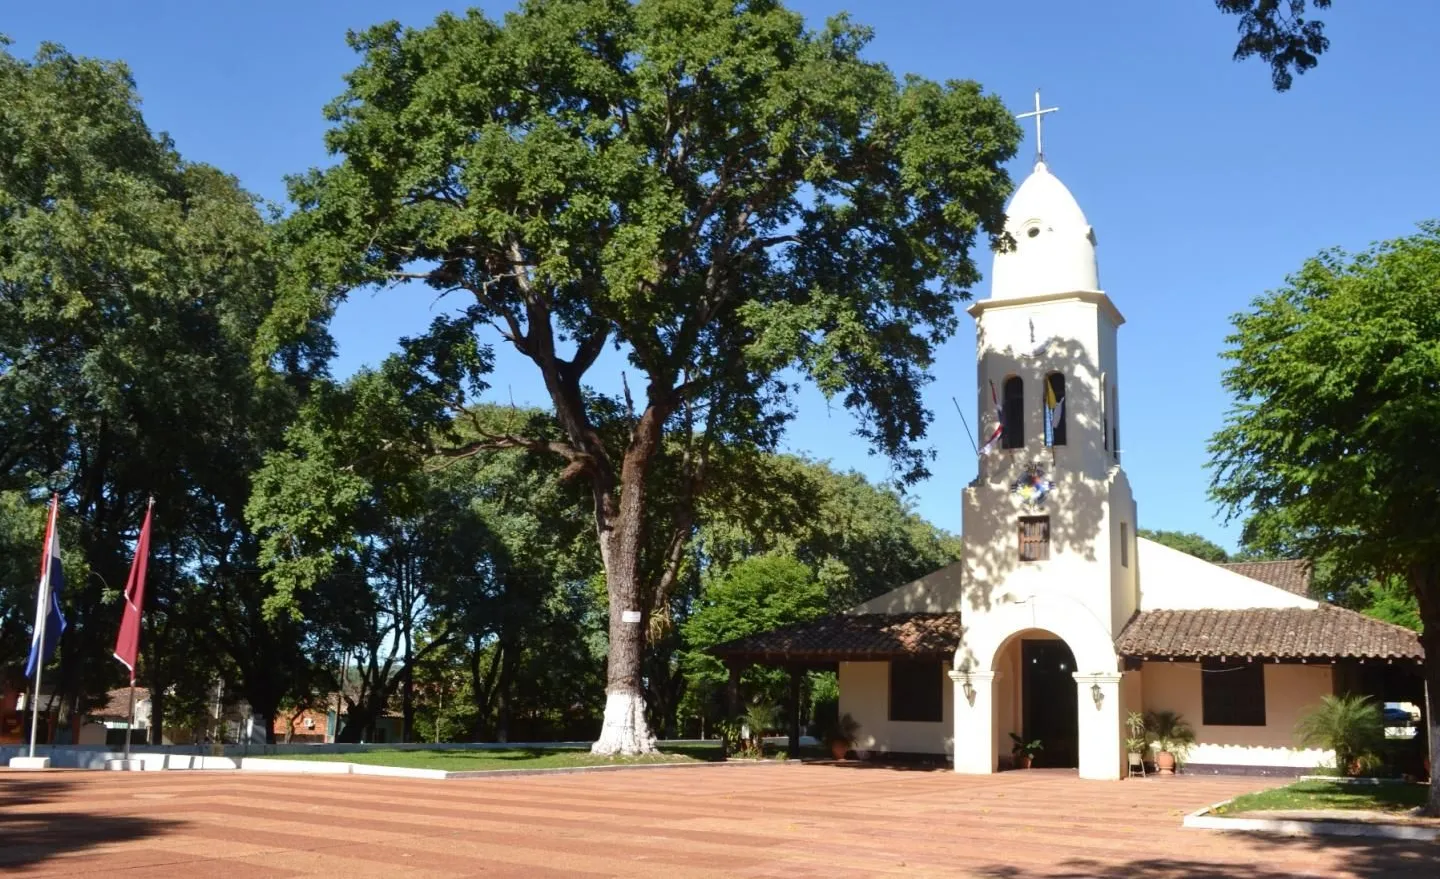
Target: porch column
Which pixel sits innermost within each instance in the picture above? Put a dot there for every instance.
(732, 700)
(792, 711)
(974, 722)
(1098, 698)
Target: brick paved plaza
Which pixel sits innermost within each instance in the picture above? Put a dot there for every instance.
(774, 821)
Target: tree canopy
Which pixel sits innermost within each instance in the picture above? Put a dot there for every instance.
(727, 198)
(1280, 33)
(133, 285)
(1336, 377)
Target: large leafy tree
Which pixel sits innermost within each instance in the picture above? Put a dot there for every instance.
(730, 200)
(1337, 383)
(133, 285)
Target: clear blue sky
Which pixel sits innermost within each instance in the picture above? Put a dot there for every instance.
(1205, 187)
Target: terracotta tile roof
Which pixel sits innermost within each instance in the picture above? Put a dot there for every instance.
(1282, 633)
(1292, 575)
(852, 636)
(117, 703)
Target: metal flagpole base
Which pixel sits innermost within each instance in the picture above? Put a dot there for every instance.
(125, 765)
(29, 762)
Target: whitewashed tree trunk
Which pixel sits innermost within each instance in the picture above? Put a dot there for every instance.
(624, 731)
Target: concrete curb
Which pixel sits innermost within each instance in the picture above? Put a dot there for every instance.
(337, 767)
(1201, 819)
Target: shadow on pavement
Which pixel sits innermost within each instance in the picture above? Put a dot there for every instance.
(1361, 858)
(32, 836)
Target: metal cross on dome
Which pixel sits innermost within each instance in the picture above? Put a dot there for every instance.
(1039, 116)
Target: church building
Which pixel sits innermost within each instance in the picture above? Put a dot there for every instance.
(1060, 620)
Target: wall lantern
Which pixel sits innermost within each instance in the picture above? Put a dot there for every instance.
(969, 689)
(1097, 694)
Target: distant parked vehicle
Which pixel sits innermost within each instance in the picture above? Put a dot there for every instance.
(1397, 717)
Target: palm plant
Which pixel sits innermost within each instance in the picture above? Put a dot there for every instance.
(1172, 735)
(761, 717)
(1351, 725)
(1135, 743)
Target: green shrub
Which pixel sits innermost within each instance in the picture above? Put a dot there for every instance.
(1352, 726)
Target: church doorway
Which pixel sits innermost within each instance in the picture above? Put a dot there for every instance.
(1049, 711)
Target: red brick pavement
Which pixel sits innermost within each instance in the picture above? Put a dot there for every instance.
(717, 821)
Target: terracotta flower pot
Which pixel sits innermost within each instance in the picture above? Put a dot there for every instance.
(1023, 761)
(839, 748)
(1165, 762)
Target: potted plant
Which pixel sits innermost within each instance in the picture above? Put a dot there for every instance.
(760, 717)
(1352, 726)
(1024, 751)
(1136, 743)
(840, 736)
(1172, 737)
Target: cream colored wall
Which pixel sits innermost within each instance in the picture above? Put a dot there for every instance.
(1176, 581)
(1009, 698)
(865, 696)
(936, 592)
(1290, 691)
(1124, 573)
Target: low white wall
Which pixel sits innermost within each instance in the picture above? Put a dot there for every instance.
(865, 696)
(1290, 691)
(63, 757)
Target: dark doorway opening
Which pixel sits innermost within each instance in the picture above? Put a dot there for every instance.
(1050, 707)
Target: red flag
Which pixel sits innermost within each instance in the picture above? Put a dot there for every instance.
(127, 645)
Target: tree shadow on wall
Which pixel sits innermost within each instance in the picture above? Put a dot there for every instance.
(1081, 471)
(1361, 858)
(33, 836)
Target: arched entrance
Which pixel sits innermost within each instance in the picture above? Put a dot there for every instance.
(991, 685)
(1036, 698)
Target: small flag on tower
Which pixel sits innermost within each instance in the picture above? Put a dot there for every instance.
(999, 421)
(127, 644)
(1056, 404)
(49, 620)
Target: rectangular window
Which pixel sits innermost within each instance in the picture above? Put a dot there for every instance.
(1034, 538)
(1124, 544)
(1232, 693)
(917, 691)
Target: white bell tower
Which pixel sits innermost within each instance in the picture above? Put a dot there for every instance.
(1050, 572)
(1051, 510)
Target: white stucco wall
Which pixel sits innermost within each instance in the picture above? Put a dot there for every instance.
(936, 592)
(865, 696)
(1290, 691)
(1173, 580)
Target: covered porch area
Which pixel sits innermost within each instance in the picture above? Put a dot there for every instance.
(892, 674)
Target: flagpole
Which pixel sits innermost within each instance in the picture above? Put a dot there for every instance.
(130, 723)
(967, 426)
(142, 546)
(42, 607)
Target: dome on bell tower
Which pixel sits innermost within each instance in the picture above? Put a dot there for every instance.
(1054, 248)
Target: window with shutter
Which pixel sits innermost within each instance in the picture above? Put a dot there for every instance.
(1034, 538)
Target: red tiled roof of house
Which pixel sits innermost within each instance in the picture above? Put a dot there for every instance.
(1292, 575)
(117, 703)
(852, 637)
(1282, 633)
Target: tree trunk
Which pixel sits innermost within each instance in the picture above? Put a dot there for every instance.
(157, 716)
(1425, 581)
(620, 524)
(407, 699)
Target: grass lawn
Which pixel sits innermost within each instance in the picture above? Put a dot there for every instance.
(458, 760)
(1390, 796)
